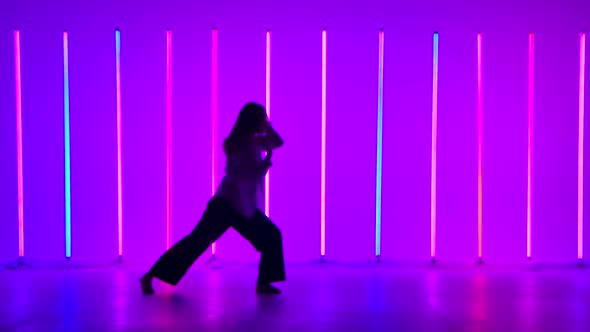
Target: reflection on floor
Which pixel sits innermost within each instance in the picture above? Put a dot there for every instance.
(316, 297)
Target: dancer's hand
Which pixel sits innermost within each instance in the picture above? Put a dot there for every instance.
(268, 151)
(265, 164)
(271, 139)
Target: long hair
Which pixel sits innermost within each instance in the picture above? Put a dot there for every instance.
(250, 120)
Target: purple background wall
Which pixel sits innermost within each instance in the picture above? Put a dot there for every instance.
(296, 97)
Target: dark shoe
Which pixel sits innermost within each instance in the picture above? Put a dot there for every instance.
(146, 285)
(267, 289)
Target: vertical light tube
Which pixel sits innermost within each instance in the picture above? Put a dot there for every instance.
(581, 148)
(19, 144)
(214, 110)
(119, 168)
(323, 161)
(267, 178)
(530, 143)
(433, 146)
(168, 132)
(68, 206)
(479, 150)
(379, 145)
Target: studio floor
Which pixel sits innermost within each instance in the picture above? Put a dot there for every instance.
(316, 297)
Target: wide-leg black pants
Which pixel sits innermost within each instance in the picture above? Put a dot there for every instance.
(218, 218)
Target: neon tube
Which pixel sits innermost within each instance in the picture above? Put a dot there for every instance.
(168, 132)
(479, 150)
(19, 144)
(119, 161)
(434, 142)
(214, 110)
(581, 148)
(323, 162)
(267, 178)
(68, 206)
(379, 145)
(530, 142)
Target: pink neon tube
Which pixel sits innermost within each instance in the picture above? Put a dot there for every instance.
(479, 149)
(119, 167)
(19, 144)
(267, 178)
(168, 132)
(433, 146)
(581, 148)
(323, 164)
(530, 142)
(214, 106)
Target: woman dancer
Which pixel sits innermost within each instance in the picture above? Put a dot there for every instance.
(234, 205)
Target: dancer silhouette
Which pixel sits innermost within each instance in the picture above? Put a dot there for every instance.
(234, 205)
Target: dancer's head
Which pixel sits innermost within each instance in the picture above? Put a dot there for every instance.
(251, 120)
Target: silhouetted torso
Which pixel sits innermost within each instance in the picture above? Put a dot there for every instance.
(242, 177)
